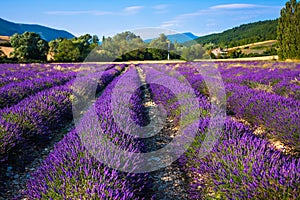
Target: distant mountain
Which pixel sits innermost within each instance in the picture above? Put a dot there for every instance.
(244, 34)
(8, 28)
(179, 37)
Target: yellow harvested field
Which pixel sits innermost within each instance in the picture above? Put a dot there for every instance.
(262, 58)
(4, 38)
(7, 50)
(264, 43)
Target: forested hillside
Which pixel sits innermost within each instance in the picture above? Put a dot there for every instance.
(8, 28)
(244, 34)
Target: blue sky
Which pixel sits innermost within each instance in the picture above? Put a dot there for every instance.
(109, 17)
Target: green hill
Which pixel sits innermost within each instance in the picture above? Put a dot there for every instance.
(9, 28)
(244, 34)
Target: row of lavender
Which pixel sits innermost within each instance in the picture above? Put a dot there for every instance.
(241, 165)
(13, 73)
(14, 92)
(71, 171)
(10, 69)
(40, 113)
(19, 76)
(277, 109)
(278, 114)
(279, 78)
(74, 169)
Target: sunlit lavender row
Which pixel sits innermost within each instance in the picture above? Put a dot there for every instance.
(255, 154)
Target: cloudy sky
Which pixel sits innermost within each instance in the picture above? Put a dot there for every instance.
(109, 17)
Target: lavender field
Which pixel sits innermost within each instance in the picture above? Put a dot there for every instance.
(47, 151)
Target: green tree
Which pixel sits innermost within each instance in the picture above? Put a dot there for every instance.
(236, 53)
(103, 40)
(95, 39)
(83, 44)
(53, 46)
(126, 42)
(193, 52)
(99, 54)
(67, 51)
(29, 46)
(210, 46)
(108, 45)
(159, 43)
(288, 31)
(72, 50)
(128, 46)
(162, 37)
(121, 44)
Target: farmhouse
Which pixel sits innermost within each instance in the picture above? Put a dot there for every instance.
(219, 52)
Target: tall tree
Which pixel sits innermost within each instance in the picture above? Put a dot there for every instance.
(29, 46)
(95, 39)
(289, 31)
(67, 51)
(53, 45)
(159, 43)
(193, 52)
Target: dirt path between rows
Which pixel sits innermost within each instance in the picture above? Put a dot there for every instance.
(25, 159)
(28, 156)
(170, 182)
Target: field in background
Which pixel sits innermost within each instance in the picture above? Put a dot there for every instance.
(262, 58)
(258, 47)
(6, 50)
(4, 39)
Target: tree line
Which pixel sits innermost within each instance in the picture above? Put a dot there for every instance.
(242, 35)
(30, 47)
(289, 31)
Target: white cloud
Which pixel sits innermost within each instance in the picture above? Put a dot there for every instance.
(236, 6)
(176, 21)
(152, 32)
(161, 8)
(215, 10)
(131, 10)
(167, 25)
